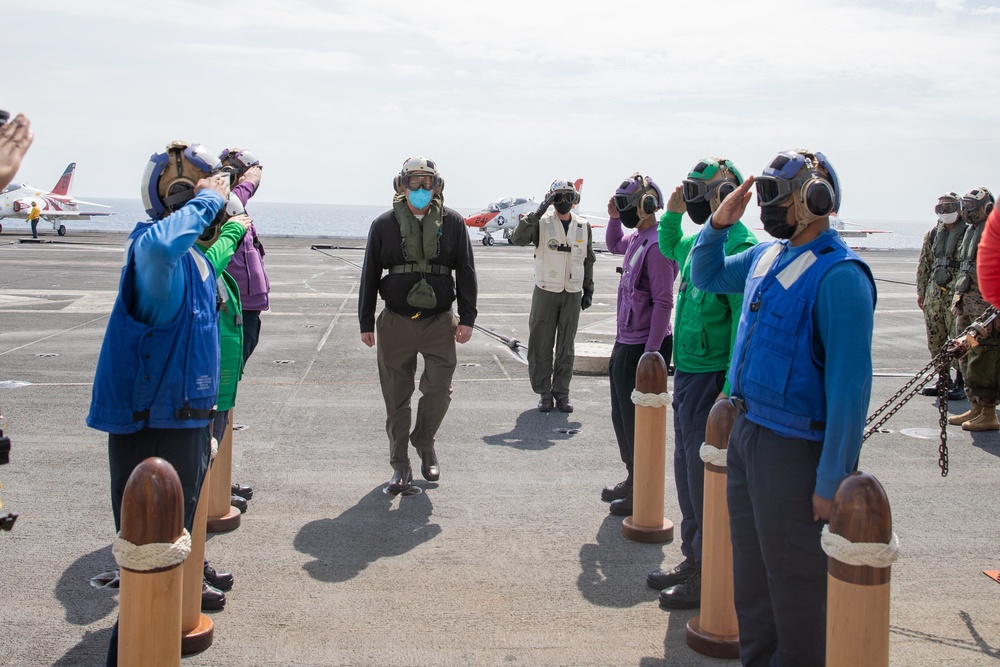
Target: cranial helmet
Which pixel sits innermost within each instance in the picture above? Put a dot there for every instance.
(638, 192)
(564, 188)
(949, 207)
(976, 205)
(170, 177)
(711, 180)
(806, 176)
(211, 233)
(418, 165)
(238, 159)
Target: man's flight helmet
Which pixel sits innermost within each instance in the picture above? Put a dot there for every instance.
(170, 177)
(976, 205)
(948, 208)
(806, 176)
(638, 192)
(710, 181)
(563, 190)
(418, 166)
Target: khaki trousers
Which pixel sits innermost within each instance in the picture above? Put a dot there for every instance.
(553, 321)
(398, 341)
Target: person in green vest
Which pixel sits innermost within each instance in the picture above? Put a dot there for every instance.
(219, 242)
(704, 331)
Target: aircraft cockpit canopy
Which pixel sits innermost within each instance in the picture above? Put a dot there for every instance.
(13, 186)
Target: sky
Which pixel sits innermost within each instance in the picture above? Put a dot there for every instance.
(902, 96)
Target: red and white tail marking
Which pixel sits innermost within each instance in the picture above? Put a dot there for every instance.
(65, 181)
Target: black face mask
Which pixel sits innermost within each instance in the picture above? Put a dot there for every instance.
(563, 207)
(629, 217)
(699, 211)
(775, 219)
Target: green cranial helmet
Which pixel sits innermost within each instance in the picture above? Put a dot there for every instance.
(708, 183)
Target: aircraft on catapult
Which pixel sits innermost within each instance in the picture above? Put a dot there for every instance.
(56, 205)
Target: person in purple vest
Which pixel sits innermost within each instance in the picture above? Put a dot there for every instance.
(247, 268)
(801, 375)
(645, 304)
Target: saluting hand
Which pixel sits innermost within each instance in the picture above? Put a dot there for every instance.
(676, 203)
(15, 138)
(612, 209)
(219, 183)
(252, 175)
(244, 220)
(732, 207)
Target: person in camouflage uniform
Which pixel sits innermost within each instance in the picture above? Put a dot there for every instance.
(937, 271)
(981, 366)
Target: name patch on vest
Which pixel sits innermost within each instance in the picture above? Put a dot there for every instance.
(766, 260)
(796, 268)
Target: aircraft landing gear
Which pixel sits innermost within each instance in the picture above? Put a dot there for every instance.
(506, 235)
(487, 240)
(62, 230)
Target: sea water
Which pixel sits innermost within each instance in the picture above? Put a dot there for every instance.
(353, 222)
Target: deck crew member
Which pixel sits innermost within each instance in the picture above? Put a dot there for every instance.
(704, 331)
(33, 216)
(564, 285)
(801, 378)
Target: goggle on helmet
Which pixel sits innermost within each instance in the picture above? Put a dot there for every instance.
(632, 190)
(782, 177)
(563, 191)
(169, 178)
(699, 186)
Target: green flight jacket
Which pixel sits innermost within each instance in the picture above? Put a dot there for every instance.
(230, 314)
(705, 324)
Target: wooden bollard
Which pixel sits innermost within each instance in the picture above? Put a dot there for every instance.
(715, 632)
(197, 629)
(222, 516)
(649, 462)
(857, 596)
(149, 620)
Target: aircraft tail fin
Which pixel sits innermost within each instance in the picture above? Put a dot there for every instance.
(65, 181)
(578, 185)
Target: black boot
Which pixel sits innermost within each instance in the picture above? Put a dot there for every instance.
(401, 478)
(957, 391)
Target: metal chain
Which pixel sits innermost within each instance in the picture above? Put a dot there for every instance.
(951, 351)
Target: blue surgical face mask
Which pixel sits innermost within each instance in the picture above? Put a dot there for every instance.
(419, 199)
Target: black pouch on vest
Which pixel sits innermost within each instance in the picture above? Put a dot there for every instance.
(422, 295)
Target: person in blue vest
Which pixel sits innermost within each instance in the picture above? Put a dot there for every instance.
(157, 376)
(801, 375)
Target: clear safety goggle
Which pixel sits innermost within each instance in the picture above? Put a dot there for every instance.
(698, 191)
(948, 206)
(419, 181)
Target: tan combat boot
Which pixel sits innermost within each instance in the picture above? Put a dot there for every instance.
(957, 420)
(986, 420)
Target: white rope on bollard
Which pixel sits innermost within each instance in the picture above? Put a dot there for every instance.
(713, 455)
(145, 557)
(872, 554)
(651, 400)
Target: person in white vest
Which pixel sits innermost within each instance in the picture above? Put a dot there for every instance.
(564, 285)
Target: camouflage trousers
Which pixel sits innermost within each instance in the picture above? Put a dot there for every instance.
(981, 366)
(938, 318)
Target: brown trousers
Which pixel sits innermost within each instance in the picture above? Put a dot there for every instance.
(398, 340)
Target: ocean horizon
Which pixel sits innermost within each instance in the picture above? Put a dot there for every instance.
(353, 221)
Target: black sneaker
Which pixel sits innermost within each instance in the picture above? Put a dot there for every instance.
(619, 490)
(683, 596)
(662, 579)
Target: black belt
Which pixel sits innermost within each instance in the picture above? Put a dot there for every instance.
(187, 412)
(413, 268)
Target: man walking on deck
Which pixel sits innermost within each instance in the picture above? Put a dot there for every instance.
(425, 250)
(33, 216)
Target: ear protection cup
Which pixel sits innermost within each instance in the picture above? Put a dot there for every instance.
(397, 184)
(648, 204)
(816, 193)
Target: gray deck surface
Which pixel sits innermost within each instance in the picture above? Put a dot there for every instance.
(511, 559)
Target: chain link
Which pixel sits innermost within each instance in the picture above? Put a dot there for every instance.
(951, 351)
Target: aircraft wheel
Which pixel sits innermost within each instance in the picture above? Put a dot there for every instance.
(1, 228)
(510, 241)
(491, 241)
(484, 240)
(62, 230)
